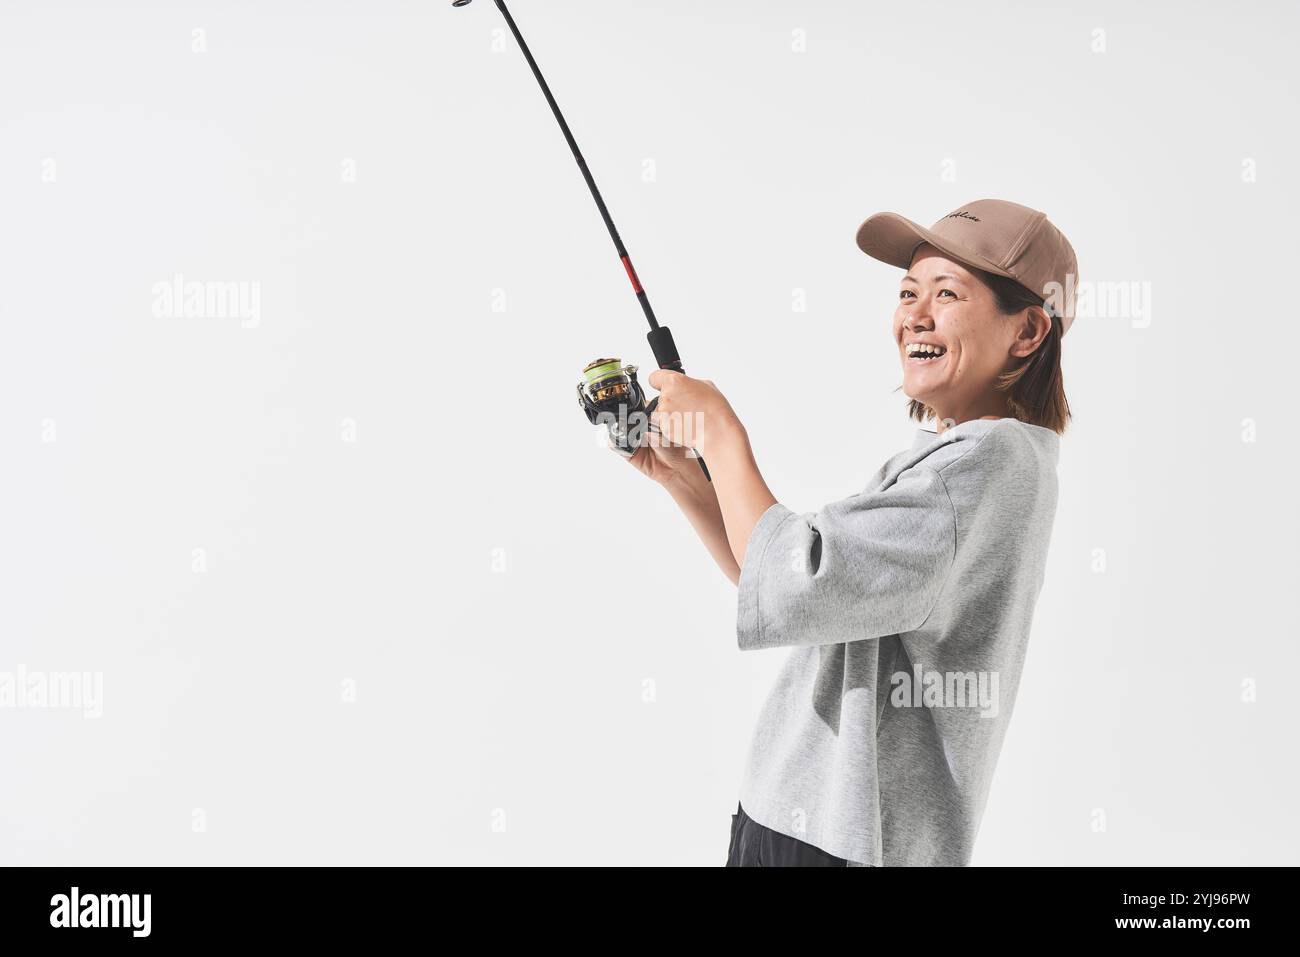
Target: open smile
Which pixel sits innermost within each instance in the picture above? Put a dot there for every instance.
(927, 354)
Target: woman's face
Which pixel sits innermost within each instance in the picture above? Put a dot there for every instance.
(942, 304)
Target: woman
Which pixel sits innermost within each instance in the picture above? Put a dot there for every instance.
(907, 607)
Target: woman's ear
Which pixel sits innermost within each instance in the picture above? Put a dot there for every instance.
(1031, 327)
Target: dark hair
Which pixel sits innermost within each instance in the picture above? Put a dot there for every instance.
(1035, 389)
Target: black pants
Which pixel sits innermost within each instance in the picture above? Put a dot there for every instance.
(753, 845)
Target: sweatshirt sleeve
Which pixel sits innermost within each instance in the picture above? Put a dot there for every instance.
(864, 567)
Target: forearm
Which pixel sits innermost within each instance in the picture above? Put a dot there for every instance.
(742, 494)
(695, 496)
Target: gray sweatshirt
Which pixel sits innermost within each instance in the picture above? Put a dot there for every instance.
(907, 608)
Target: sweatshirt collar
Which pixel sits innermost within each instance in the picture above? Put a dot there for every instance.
(925, 437)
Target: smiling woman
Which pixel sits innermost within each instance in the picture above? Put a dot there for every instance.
(935, 567)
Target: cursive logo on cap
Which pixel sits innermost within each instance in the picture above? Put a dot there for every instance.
(962, 214)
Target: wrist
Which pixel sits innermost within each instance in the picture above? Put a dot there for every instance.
(687, 479)
(722, 437)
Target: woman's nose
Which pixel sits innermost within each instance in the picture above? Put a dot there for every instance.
(918, 311)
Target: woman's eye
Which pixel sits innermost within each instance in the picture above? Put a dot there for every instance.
(907, 293)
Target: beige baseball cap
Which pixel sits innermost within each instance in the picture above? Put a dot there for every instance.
(994, 235)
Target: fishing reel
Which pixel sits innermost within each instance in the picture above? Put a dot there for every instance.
(611, 396)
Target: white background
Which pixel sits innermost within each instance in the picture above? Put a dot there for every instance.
(486, 698)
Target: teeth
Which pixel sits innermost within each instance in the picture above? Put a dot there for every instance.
(924, 348)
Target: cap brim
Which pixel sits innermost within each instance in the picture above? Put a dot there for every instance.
(893, 239)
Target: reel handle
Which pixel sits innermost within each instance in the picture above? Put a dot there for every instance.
(665, 352)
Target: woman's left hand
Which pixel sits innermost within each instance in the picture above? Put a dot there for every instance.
(691, 412)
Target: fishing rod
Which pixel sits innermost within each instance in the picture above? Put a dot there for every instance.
(610, 393)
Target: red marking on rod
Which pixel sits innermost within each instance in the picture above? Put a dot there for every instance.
(631, 274)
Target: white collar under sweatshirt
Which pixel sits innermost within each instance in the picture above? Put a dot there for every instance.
(907, 608)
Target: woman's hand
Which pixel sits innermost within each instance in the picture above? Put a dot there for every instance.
(661, 462)
(691, 412)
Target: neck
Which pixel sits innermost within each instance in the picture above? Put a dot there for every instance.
(990, 407)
